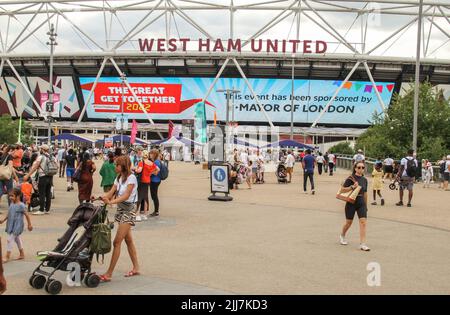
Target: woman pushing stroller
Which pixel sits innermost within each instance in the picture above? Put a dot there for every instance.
(124, 194)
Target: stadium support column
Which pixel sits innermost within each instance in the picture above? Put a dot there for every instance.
(417, 77)
(215, 79)
(24, 85)
(2, 63)
(253, 92)
(380, 100)
(91, 92)
(335, 94)
(134, 94)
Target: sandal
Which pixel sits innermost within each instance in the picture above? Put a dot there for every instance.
(104, 278)
(131, 273)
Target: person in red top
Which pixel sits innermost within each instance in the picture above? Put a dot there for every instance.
(17, 156)
(144, 172)
(27, 190)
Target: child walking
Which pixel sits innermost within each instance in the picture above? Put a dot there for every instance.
(14, 224)
(428, 174)
(377, 183)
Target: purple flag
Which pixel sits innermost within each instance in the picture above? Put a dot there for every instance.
(368, 89)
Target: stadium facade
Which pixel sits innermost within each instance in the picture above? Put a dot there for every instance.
(326, 65)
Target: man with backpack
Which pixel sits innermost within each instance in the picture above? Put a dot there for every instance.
(46, 167)
(406, 176)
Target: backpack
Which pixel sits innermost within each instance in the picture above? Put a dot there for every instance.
(411, 168)
(163, 172)
(51, 166)
(101, 239)
(442, 167)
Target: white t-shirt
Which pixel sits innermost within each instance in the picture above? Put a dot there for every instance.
(447, 166)
(290, 160)
(122, 188)
(404, 162)
(320, 159)
(331, 158)
(60, 154)
(388, 162)
(359, 157)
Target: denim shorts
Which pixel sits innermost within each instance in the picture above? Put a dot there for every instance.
(70, 172)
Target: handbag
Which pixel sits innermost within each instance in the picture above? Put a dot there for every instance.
(5, 170)
(349, 196)
(77, 175)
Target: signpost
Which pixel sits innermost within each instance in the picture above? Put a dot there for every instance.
(219, 183)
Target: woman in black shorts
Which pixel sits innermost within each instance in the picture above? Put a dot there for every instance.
(359, 207)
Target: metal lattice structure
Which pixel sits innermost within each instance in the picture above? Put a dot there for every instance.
(371, 40)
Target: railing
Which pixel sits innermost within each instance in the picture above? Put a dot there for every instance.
(345, 161)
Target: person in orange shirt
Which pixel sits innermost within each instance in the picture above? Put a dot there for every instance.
(27, 189)
(17, 155)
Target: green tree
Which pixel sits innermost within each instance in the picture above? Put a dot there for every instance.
(392, 134)
(9, 130)
(342, 147)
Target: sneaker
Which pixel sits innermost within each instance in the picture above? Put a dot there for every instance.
(342, 240)
(400, 203)
(47, 212)
(382, 202)
(138, 218)
(313, 192)
(38, 213)
(68, 189)
(409, 205)
(364, 247)
(154, 214)
(144, 217)
(374, 203)
(305, 192)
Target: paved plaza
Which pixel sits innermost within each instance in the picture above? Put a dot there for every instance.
(272, 239)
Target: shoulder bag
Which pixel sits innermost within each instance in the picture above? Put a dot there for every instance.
(349, 196)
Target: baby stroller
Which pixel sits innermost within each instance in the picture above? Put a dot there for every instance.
(281, 173)
(241, 171)
(72, 251)
(394, 185)
(34, 199)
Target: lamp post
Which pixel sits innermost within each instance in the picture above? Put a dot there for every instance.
(228, 94)
(292, 98)
(50, 105)
(122, 78)
(417, 77)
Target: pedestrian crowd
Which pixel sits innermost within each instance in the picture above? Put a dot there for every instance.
(130, 177)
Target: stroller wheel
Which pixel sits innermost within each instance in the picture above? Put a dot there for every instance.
(53, 286)
(37, 281)
(92, 280)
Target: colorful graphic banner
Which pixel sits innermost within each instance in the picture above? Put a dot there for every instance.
(172, 98)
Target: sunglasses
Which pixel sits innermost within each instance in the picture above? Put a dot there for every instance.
(361, 167)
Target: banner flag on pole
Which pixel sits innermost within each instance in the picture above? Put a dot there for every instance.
(200, 123)
(134, 128)
(169, 135)
(20, 129)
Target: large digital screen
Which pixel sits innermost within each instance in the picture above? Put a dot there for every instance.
(172, 98)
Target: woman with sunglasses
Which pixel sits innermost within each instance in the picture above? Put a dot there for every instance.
(359, 207)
